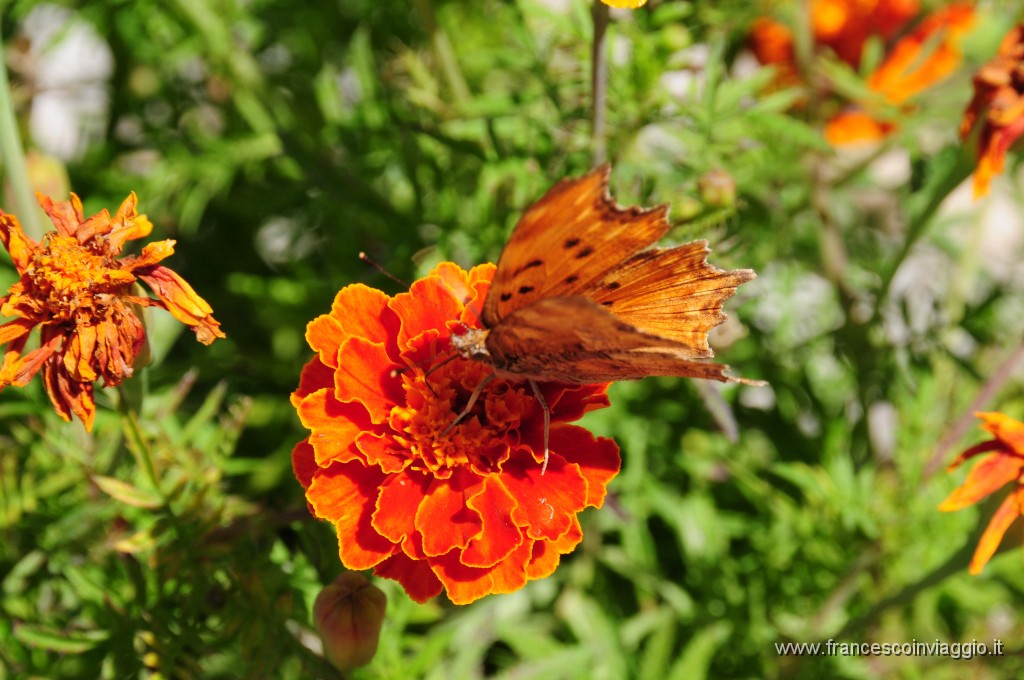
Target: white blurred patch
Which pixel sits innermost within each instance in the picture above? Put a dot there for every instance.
(280, 240)
(70, 65)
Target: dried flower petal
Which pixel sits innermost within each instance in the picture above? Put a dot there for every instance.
(73, 287)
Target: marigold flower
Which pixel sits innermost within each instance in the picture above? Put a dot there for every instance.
(464, 509)
(631, 4)
(1004, 466)
(999, 102)
(75, 289)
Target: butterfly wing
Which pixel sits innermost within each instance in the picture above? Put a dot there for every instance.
(566, 242)
(672, 293)
(574, 340)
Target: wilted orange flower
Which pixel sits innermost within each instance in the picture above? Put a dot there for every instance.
(929, 54)
(999, 101)
(75, 289)
(1004, 466)
(465, 508)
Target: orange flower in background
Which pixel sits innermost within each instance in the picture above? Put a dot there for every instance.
(999, 102)
(915, 62)
(465, 509)
(842, 25)
(1004, 466)
(631, 4)
(926, 56)
(75, 289)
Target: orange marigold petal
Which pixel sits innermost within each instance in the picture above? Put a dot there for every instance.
(16, 242)
(854, 127)
(183, 302)
(547, 554)
(315, 376)
(546, 503)
(67, 215)
(416, 576)
(334, 426)
(398, 503)
(467, 584)
(15, 329)
(364, 376)
(303, 463)
(1004, 428)
(499, 535)
(443, 518)
(380, 450)
(570, 402)
(990, 474)
(127, 225)
(1008, 511)
(357, 311)
(69, 396)
(597, 458)
(431, 302)
(345, 494)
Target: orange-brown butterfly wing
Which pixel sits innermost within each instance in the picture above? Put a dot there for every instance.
(574, 340)
(568, 241)
(672, 293)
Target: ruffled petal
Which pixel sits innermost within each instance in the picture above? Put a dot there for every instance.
(182, 302)
(443, 518)
(364, 376)
(358, 311)
(499, 535)
(545, 503)
(345, 494)
(597, 458)
(416, 577)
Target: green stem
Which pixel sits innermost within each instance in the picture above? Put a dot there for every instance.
(599, 82)
(14, 160)
(137, 443)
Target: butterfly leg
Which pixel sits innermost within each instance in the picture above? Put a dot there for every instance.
(547, 422)
(469, 404)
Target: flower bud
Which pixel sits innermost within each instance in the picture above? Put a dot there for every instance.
(348, 614)
(717, 188)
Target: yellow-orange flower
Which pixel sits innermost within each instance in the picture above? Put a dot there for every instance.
(999, 102)
(1004, 466)
(631, 4)
(74, 287)
(468, 508)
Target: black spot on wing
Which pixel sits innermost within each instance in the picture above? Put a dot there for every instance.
(584, 252)
(572, 279)
(571, 243)
(607, 303)
(523, 290)
(529, 265)
(505, 297)
(614, 285)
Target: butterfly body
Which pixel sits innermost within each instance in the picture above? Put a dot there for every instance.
(578, 296)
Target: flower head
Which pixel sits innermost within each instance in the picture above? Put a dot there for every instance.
(631, 4)
(464, 508)
(74, 287)
(1004, 466)
(999, 102)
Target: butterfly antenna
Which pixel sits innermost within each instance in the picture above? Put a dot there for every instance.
(373, 263)
(547, 423)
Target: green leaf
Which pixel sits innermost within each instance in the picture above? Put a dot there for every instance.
(57, 641)
(127, 493)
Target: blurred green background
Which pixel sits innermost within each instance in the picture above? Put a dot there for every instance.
(275, 140)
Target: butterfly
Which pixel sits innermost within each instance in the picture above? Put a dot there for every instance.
(579, 297)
